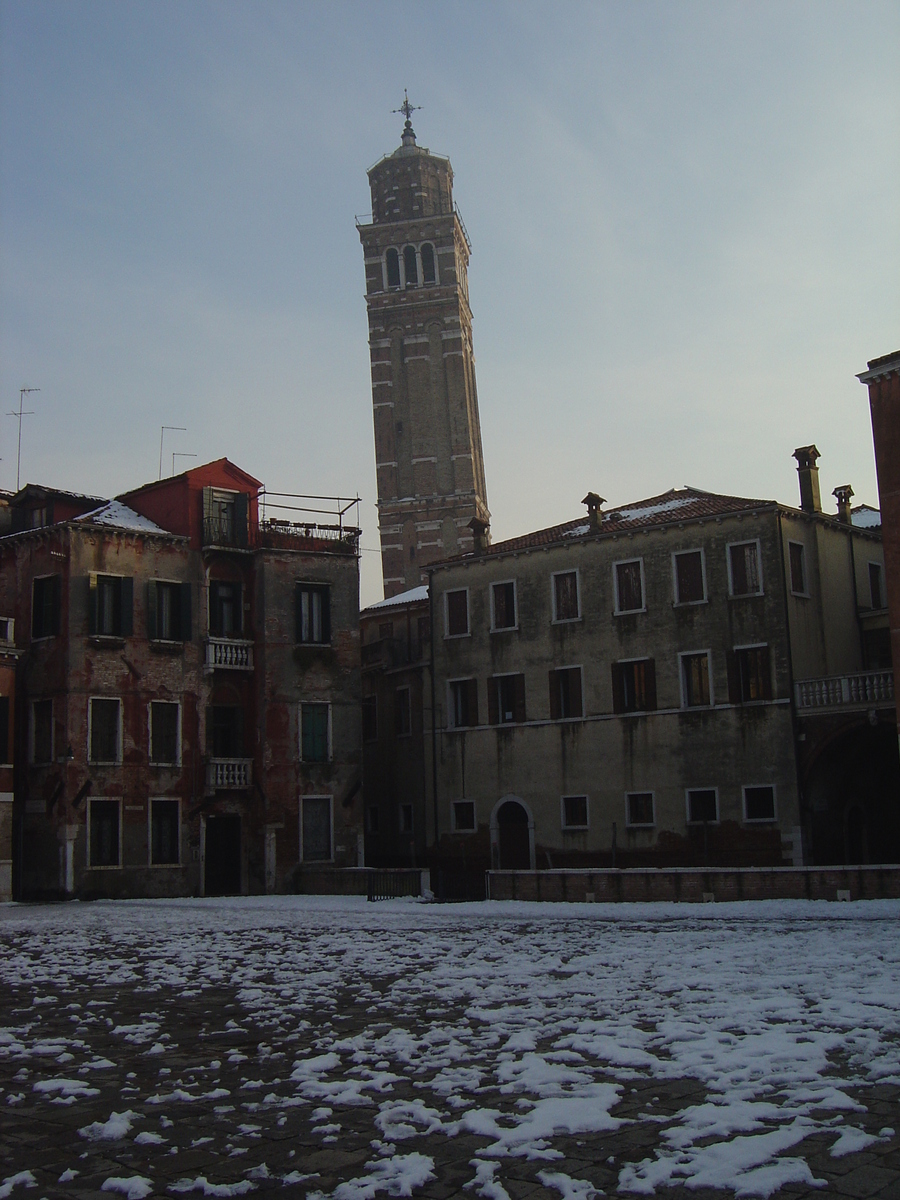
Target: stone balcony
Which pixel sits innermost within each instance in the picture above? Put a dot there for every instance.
(867, 689)
(229, 773)
(229, 654)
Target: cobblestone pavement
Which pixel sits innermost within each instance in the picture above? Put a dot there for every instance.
(302, 1048)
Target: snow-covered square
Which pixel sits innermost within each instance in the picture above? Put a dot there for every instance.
(333, 1048)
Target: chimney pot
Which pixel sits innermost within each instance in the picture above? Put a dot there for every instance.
(843, 494)
(481, 535)
(808, 473)
(595, 511)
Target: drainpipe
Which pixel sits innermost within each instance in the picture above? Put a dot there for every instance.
(434, 770)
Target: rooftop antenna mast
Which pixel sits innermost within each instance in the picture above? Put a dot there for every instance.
(162, 434)
(23, 392)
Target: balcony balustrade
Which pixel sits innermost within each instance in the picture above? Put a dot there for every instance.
(864, 690)
(229, 654)
(230, 773)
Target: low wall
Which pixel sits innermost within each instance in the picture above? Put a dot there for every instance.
(694, 885)
(356, 881)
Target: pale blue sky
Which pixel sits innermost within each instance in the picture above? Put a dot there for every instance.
(683, 217)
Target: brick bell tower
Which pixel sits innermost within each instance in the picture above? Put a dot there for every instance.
(427, 431)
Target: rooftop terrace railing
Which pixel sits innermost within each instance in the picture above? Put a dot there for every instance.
(862, 690)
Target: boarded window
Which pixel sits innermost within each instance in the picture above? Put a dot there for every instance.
(42, 731)
(402, 712)
(316, 828)
(798, 568)
(565, 596)
(565, 693)
(689, 587)
(634, 686)
(369, 718)
(165, 833)
(428, 272)
(392, 261)
(575, 812)
(463, 703)
(751, 675)
(695, 679)
(876, 585)
(639, 808)
(103, 832)
(702, 804)
(629, 587)
(464, 815)
(759, 803)
(457, 613)
(226, 611)
(45, 606)
(163, 732)
(314, 733)
(744, 561)
(506, 699)
(104, 715)
(313, 614)
(504, 602)
(410, 266)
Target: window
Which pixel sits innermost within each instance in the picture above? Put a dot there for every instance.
(164, 732)
(405, 817)
(506, 699)
(45, 607)
(226, 610)
(695, 690)
(503, 605)
(165, 833)
(313, 605)
(42, 731)
(369, 718)
(463, 812)
(104, 730)
(876, 585)
(104, 833)
(457, 612)
(797, 553)
(402, 712)
(169, 610)
(629, 581)
(392, 266)
(759, 803)
(5, 756)
(463, 703)
(565, 596)
(690, 582)
(743, 569)
(702, 805)
(634, 685)
(574, 812)
(386, 630)
(639, 809)
(225, 518)
(428, 271)
(751, 676)
(7, 630)
(315, 720)
(315, 829)
(224, 731)
(410, 266)
(110, 605)
(565, 693)
(372, 819)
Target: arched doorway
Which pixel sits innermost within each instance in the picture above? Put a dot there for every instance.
(513, 836)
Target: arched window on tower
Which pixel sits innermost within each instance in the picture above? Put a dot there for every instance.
(428, 272)
(392, 260)
(410, 266)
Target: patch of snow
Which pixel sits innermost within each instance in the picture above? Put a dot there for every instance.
(119, 516)
(117, 1126)
(21, 1178)
(571, 1189)
(132, 1187)
(397, 1176)
(650, 510)
(408, 597)
(201, 1184)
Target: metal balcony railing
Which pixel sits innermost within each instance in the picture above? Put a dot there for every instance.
(229, 655)
(846, 691)
(229, 773)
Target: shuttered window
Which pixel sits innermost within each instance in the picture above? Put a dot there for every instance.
(457, 612)
(634, 686)
(689, 583)
(629, 586)
(565, 693)
(743, 561)
(45, 606)
(565, 596)
(506, 699)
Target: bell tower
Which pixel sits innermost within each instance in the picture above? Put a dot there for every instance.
(427, 431)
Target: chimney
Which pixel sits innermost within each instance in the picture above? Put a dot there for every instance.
(481, 535)
(810, 500)
(843, 494)
(595, 512)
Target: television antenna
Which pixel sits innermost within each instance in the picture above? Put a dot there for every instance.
(162, 434)
(23, 392)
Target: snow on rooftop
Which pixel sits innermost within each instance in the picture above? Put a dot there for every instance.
(119, 516)
(410, 597)
(649, 510)
(865, 517)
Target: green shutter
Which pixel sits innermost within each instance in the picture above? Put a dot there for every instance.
(241, 519)
(185, 630)
(92, 603)
(151, 609)
(126, 600)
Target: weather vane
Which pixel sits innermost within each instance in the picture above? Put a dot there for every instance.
(406, 108)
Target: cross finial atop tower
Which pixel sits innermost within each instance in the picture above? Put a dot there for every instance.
(409, 137)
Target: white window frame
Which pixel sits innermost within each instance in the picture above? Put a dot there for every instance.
(330, 747)
(150, 863)
(31, 731)
(317, 796)
(687, 806)
(759, 569)
(504, 628)
(759, 820)
(450, 708)
(408, 689)
(91, 800)
(629, 824)
(117, 762)
(151, 760)
(682, 654)
(627, 612)
(790, 573)
(448, 636)
(453, 824)
(562, 812)
(676, 603)
(555, 619)
(869, 565)
(10, 623)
